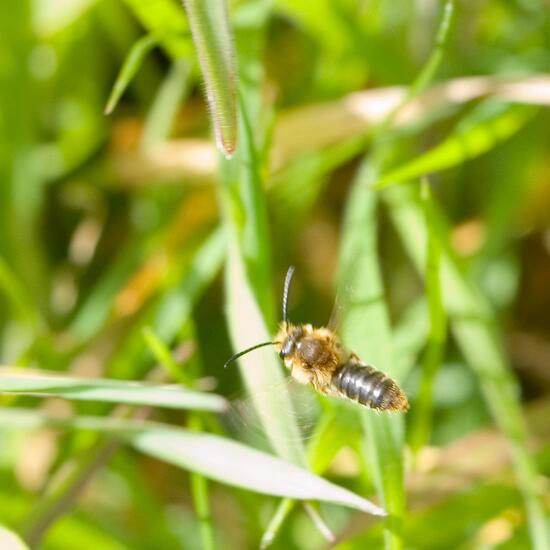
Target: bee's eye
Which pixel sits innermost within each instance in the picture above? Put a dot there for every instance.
(281, 354)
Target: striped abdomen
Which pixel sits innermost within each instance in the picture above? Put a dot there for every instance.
(370, 387)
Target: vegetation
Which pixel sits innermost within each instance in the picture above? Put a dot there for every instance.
(162, 165)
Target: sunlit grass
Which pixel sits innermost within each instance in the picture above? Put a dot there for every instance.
(398, 150)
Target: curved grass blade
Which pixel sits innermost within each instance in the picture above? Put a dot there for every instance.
(16, 382)
(463, 144)
(130, 67)
(210, 28)
(213, 456)
(164, 18)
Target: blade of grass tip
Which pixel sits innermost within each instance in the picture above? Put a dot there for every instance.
(319, 522)
(428, 71)
(473, 325)
(366, 330)
(130, 67)
(211, 32)
(420, 426)
(215, 457)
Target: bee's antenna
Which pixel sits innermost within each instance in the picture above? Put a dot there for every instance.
(237, 355)
(286, 289)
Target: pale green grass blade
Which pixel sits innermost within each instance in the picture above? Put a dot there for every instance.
(17, 382)
(472, 323)
(209, 24)
(130, 67)
(366, 331)
(464, 144)
(215, 457)
(249, 296)
(170, 96)
(421, 420)
(261, 370)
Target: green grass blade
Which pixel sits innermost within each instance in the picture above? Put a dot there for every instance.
(281, 513)
(420, 428)
(209, 24)
(162, 354)
(215, 457)
(463, 144)
(250, 310)
(164, 18)
(167, 101)
(472, 323)
(366, 330)
(130, 67)
(109, 391)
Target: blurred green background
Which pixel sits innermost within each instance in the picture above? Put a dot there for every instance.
(423, 202)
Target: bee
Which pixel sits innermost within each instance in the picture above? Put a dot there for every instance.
(315, 356)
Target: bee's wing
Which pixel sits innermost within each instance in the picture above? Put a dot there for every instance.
(244, 423)
(344, 296)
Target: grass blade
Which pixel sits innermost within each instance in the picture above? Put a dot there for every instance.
(130, 67)
(209, 24)
(421, 416)
(16, 382)
(464, 144)
(213, 456)
(249, 298)
(367, 315)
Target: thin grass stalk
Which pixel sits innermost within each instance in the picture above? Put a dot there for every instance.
(421, 416)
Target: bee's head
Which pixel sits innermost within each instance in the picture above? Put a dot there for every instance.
(290, 341)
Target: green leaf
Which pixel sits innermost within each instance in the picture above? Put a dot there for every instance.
(130, 67)
(467, 142)
(209, 24)
(213, 456)
(110, 391)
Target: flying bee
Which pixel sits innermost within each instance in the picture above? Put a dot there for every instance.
(315, 356)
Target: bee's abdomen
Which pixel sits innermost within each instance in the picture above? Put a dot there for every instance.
(368, 386)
